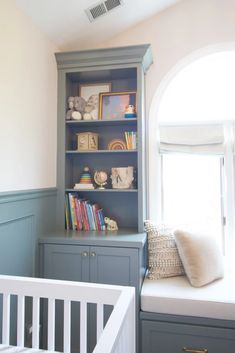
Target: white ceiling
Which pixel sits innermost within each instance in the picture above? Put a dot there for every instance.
(67, 25)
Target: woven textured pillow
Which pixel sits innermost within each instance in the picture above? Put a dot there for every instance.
(163, 256)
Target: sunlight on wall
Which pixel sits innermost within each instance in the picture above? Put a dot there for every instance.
(202, 91)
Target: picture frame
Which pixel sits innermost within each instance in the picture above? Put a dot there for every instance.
(112, 105)
(88, 89)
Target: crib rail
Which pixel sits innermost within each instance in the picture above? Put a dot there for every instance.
(118, 335)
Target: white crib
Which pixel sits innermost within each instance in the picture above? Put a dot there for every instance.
(118, 335)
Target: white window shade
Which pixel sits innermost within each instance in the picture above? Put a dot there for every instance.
(196, 139)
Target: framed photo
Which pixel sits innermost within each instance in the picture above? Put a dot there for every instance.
(113, 105)
(88, 89)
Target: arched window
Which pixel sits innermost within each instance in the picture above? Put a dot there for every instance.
(196, 118)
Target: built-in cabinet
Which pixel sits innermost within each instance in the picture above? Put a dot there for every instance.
(99, 256)
(110, 259)
(124, 69)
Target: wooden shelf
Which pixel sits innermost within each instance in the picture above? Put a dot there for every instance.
(114, 122)
(103, 190)
(100, 151)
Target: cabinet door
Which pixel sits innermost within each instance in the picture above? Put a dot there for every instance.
(65, 262)
(117, 266)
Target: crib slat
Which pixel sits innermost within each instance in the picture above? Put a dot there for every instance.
(51, 325)
(83, 327)
(20, 320)
(6, 319)
(35, 338)
(67, 326)
(100, 320)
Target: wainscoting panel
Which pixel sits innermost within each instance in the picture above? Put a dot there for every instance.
(24, 216)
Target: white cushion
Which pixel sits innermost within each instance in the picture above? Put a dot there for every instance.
(201, 257)
(176, 296)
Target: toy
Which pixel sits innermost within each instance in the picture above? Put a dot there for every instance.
(110, 223)
(76, 107)
(87, 141)
(79, 104)
(130, 111)
(91, 108)
(71, 108)
(85, 181)
(76, 115)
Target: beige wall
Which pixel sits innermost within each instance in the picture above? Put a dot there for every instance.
(27, 103)
(177, 32)
(178, 35)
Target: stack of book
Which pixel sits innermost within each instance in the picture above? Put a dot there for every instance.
(131, 140)
(82, 186)
(81, 214)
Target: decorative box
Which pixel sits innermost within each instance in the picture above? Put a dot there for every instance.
(87, 141)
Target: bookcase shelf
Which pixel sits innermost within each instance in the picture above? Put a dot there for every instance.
(101, 151)
(103, 190)
(124, 70)
(92, 123)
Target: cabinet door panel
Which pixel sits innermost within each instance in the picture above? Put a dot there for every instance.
(115, 266)
(66, 262)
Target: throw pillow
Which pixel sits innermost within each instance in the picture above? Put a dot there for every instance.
(201, 257)
(163, 256)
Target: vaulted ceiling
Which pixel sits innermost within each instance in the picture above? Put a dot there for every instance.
(67, 25)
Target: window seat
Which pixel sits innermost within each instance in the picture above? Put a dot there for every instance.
(176, 317)
(176, 296)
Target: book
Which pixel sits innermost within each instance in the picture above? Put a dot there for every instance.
(82, 186)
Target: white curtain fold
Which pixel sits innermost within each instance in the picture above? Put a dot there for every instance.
(199, 139)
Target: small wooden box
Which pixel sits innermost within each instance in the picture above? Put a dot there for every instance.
(87, 141)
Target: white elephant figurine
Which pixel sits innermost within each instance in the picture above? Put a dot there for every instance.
(110, 223)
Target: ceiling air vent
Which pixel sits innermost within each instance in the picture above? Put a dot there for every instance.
(102, 8)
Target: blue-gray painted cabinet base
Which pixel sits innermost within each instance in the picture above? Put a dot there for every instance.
(176, 334)
(108, 259)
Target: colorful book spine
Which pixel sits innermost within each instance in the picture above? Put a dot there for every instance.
(81, 214)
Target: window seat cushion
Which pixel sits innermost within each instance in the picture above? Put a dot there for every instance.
(176, 296)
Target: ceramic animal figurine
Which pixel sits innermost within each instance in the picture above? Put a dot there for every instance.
(130, 111)
(110, 223)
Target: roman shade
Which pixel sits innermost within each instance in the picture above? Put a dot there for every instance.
(196, 139)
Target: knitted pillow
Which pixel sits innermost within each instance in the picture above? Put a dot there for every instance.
(163, 256)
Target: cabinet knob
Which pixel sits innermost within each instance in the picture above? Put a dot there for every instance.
(193, 350)
(85, 254)
(93, 254)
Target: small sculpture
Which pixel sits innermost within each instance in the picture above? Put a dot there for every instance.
(91, 108)
(110, 224)
(130, 111)
(71, 108)
(117, 144)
